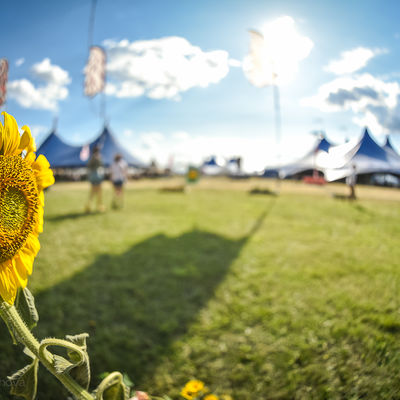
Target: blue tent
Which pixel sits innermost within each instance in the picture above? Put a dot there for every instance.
(63, 155)
(212, 167)
(388, 146)
(211, 162)
(109, 147)
(366, 155)
(308, 162)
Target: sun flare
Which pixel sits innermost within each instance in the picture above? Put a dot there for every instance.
(276, 52)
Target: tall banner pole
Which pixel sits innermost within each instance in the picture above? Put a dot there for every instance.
(260, 70)
(278, 128)
(95, 69)
(91, 23)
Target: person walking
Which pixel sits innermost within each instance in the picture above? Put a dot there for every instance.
(95, 177)
(119, 174)
(351, 182)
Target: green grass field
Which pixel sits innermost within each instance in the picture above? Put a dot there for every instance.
(262, 297)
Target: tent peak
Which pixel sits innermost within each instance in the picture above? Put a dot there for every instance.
(366, 132)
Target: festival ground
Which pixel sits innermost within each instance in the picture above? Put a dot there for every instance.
(294, 296)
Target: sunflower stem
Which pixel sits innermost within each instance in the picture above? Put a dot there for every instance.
(22, 333)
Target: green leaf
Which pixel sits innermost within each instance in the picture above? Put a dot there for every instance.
(112, 388)
(25, 304)
(79, 340)
(81, 370)
(78, 364)
(115, 392)
(62, 365)
(24, 381)
(128, 382)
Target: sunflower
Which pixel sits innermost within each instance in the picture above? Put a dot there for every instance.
(22, 180)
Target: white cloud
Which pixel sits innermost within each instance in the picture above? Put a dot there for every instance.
(19, 62)
(353, 60)
(162, 68)
(235, 63)
(50, 73)
(45, 96)
(375, 103)
(125, 89)
(275, 53)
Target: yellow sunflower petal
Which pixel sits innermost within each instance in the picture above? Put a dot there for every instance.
(32, 245)
(45, 179)
(19, 271)
(44, 175)
(1, 135)
(41, 198)
(27, 142)
(8, 287)
(10, 135)
(24, 260)
(30, 158)
(39, 224)
(41, 163)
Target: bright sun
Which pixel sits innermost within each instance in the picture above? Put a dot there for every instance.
(276, 52)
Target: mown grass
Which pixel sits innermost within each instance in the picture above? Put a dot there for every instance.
(262, 297)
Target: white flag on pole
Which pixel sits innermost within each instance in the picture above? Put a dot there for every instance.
(95, 71)
(258, 65)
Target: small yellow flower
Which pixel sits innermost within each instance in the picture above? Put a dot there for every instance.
(211, 397)
(186, 394)
(194, 386)
(22, 180)
(192, 389)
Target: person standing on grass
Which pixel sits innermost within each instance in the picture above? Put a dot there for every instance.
(119, 174)
(351, 182)
(95, 176)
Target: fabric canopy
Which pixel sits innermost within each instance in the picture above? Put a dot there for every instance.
(109, 147)
(365, 154)
(212, 167)
(389, 147)
(308, 162)
(63, 155)
(59, 153)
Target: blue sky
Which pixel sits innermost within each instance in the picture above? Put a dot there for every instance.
(349, 78)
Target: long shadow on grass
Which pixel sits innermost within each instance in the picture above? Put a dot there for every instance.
(76, 215)
(135, 305)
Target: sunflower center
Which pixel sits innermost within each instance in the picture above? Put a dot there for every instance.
(19, 204)
(14, 209)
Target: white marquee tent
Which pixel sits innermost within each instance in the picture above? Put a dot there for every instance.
(367, 156)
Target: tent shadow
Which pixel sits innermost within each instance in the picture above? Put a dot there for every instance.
(133, 305)
(76, 215)
(259, 191)
(339, 196)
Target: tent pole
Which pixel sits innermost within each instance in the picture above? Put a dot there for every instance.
(91, 23)
(55, 122)
(278, 128)
(103, 114)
